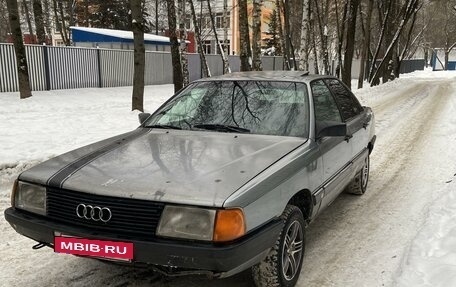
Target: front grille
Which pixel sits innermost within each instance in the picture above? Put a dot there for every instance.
(131, 218)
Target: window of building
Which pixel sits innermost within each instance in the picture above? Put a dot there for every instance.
(207, 47)
(228, 47)
(219, 20)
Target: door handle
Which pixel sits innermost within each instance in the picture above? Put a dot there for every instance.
(348, 137)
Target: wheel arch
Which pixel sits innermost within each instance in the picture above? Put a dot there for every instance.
(303, 200)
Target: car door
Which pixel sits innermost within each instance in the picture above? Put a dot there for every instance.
(356, 118)
(335, 151)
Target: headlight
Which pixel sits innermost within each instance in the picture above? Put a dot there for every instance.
(187, 222)
(30, 197)
(201, 224)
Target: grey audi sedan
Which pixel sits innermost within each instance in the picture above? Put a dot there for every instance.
(224, 176)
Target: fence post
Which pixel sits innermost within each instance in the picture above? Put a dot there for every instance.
(47, 76)
(100, 84)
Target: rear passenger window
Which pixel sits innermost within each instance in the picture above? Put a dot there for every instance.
(348, 104)
(324, 104)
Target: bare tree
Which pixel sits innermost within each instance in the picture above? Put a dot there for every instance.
(366, 44)
(28, 20)
(175, 53)
(380, 41)
(321, 18)
(137, 24)
(442, 31)
(60, 21)
(226, 65)
(256, 37)
(246, 52)
(4, 22)
(305, 35)
(283, 45)
(21, 60)
(289, 47)
(183, 41)
(205, 69)
(39, 22)
(350, 41)
(341, 25)
(407, 11)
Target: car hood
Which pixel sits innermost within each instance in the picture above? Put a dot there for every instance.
(185, 167)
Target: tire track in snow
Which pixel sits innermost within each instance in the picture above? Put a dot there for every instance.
(357, 241)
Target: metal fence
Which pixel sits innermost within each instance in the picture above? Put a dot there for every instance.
(54, 68)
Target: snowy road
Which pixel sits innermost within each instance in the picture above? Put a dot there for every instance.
(357, 241)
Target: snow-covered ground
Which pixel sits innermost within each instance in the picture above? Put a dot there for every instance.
(401, 232)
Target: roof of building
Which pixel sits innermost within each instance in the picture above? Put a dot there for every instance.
(85, 34)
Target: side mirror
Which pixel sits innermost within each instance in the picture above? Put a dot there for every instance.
(143, 117)
(331, 129)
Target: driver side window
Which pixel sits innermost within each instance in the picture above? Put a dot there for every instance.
(324, 104)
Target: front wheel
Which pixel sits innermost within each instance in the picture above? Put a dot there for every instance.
(359, 184)
(282, 265)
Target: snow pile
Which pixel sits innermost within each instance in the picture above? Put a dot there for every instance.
(432, 256)
(54, 122)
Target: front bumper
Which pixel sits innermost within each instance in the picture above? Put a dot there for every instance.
(219, 259)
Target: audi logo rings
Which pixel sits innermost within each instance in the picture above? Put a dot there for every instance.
(94, 213)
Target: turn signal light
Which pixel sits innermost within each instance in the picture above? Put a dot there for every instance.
(13, 193)
(229, 225)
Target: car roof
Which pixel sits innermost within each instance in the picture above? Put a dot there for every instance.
(289, 76)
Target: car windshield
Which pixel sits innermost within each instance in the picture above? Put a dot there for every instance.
(257, 107)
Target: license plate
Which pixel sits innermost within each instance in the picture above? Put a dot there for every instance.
(94, 248)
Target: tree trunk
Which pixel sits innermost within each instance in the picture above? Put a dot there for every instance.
(86, 13)
(340, 36)
(226, 20)
(28, 20)
(323, 38)
(304, 49)
(350, 43)
(175, 54)
(183, 41)
(246, 52)
(314, 45)
(47, 19)
(282, 39)
(66, 39)
(256, 37)
(373, 63)
(39, 23)
(289, 47)
(226, 65)
(366, 44)
(137, 24)
(205, 69)
(407, 11)
(21, 60)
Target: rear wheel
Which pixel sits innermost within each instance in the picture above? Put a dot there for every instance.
(283, 264)
(359, 184)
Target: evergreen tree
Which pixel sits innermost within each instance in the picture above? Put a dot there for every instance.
(273, 43)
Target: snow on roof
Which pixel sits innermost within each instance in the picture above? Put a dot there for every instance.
(125, 35)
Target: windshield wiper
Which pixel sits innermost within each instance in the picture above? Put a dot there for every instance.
(221, 127)
(171, 127)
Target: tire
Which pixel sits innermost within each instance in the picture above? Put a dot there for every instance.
(277, 270)
(358, 185)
